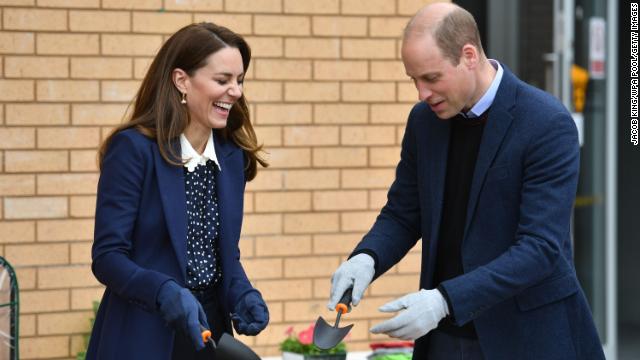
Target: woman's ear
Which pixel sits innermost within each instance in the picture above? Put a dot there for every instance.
(180, 80)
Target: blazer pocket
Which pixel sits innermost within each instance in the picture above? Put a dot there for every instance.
(498, 173)
(549, 291)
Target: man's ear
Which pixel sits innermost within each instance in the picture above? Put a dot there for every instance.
(470, 56)
(180, 80)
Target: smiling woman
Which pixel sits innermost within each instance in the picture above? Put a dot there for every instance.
(169, 208)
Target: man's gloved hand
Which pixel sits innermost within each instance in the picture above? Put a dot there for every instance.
(421, 313)
(180, 309)
(356, 272)
(251, 314)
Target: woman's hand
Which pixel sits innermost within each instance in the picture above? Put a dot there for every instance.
(181, 310)
(250, 315)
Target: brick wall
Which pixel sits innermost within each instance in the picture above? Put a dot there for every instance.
(329, 100)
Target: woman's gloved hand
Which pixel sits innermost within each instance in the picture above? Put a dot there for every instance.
(250, 315)
(182, 311)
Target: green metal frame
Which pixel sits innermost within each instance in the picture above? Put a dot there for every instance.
(14, 312)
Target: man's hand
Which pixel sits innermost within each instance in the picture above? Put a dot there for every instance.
(356, 272)
(251, 314)
(420, 312)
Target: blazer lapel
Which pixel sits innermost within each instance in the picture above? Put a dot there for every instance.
(437, 153)
(174, 204)
(498, 122)
(229, 196)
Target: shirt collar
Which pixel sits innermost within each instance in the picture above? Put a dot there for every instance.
(487, 99)
(191, 156)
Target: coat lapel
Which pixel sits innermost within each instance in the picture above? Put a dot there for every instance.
(437, 153)
(174, 204)
(498, 122)
(229, 182)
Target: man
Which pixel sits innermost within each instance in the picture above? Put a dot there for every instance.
(487, 178)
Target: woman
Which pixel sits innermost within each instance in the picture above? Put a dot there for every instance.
(169, 207)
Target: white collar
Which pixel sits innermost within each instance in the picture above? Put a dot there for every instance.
(191, 156)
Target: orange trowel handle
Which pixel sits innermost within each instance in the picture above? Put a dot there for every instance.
(207, 336)
(344, 305)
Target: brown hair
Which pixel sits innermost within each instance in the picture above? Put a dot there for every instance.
(157, 111)
(456, 29)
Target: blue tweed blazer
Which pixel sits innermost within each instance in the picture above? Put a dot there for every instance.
(519, 285)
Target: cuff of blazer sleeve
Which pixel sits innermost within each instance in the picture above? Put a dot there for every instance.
(445, 295)
(370, 253)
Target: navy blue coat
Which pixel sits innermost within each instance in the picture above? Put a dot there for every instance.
(519, 284)
(140, 243)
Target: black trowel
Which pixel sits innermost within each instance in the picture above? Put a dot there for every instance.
(326, 336)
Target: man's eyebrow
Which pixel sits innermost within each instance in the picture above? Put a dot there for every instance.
(425, 75)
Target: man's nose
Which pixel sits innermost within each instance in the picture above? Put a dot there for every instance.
(423, 92)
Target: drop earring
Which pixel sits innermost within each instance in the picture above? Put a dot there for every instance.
(184, 98)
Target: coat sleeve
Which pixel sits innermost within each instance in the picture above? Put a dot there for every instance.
(549, 184)
(240, 284)
(397, 228)
(117, 207)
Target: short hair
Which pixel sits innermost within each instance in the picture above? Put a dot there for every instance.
(451, 33)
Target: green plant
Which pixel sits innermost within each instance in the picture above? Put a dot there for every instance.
(302, 343)
(82, 354)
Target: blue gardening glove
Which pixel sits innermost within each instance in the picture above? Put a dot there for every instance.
(420, 312)
(180, 309)
(250, 315)
(355, 273)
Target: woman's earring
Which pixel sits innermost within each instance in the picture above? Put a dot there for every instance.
(184, 98)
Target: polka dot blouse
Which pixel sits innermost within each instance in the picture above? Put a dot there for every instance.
(203, 265)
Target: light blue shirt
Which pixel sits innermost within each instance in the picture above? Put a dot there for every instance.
(487, 99)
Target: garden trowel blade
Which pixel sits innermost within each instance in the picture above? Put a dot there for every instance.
(230, 348)
(326, 336)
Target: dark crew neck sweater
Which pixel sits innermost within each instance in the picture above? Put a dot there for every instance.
(464, 143)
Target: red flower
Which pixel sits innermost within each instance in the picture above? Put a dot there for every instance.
(289, 331)
(306, 336)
